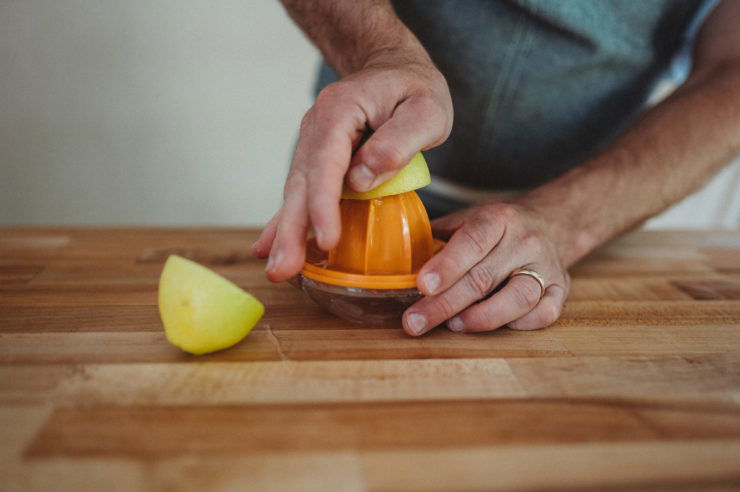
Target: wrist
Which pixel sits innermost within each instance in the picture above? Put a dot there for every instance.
(565, 226)
(358, 34)
(395, 47)
(400, 49)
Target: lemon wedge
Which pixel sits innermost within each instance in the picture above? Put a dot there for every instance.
(412, 177)
(202, 311)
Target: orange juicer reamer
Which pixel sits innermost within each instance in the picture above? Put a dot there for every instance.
(370, 276)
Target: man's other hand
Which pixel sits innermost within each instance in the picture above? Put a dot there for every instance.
(405, 102)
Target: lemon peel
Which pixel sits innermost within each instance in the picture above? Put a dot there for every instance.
(413, 176)
(201, 311)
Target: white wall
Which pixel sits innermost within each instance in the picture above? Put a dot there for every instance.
(148, 112)
(169, 112)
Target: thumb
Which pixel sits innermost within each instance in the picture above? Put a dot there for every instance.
(416, 124)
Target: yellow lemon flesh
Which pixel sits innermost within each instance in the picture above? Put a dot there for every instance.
(202, 311)
(412, 177)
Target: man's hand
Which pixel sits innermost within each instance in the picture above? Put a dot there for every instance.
(486, 244)
(395, 91)
(668, 153)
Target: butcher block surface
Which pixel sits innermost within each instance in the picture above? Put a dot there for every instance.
(636, 387)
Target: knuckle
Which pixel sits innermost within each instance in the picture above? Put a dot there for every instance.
(477, 320)
(544, 316)
(436, 123)
(449, 266)
(475, 238)
(506, 212)
(425, 107)
(329, 94)
(444, 307)
(490, 223)
(525, 294)
(481, 280)
(532, 243)
(488, 214)
(295, 181)
(333, 101)
(385, 156)
(316, 208)
(439, 134)
(550, 314)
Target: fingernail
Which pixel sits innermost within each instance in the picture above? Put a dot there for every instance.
(274, 261)
(319, 237)
(456, 324)
(417, 322)
(431, 281)
(361, 178)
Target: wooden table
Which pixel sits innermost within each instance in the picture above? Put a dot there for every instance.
(637, 386)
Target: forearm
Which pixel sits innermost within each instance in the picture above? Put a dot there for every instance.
(352, 34)
(670, 152)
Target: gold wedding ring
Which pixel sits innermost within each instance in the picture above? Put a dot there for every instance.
(534, 275)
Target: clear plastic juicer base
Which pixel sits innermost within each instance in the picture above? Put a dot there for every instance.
(365, 306)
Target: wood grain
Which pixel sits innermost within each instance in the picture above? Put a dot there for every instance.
(166, 430)
(229, 383)
(643, 466)
(636, 387)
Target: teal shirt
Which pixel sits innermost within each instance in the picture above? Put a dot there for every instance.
(538, 86)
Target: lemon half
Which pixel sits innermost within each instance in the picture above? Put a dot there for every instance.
(412, 177)
(202, 311)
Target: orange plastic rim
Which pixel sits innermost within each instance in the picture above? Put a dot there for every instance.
(364, 281)
(334, 277)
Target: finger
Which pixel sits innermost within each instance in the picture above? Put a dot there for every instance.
(327, 150)
(445, 227)
(476, 284)
(261, 247)
(288, 252)
(546, 313)
(471, 243)
(416, 124)
(446, 231)
(520, 295)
